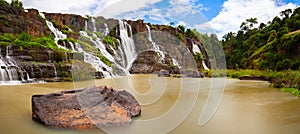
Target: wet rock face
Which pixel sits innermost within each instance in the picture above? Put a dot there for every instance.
(85, 108)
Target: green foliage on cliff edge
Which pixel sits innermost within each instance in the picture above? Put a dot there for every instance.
(273, 46)
(13, 3)
(3, 2)
(25, 40)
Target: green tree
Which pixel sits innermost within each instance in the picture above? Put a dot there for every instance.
(17, 4)
(189, 33)
(252, 21)
(181, 28)
(286, 13)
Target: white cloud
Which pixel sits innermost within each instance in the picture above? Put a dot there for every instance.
(235, 12)
(185, 6)
(174, 11)
(124, 6)
(204, 28)
(81, 7)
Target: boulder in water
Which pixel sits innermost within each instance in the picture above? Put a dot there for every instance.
(164, 73)
(85, 108)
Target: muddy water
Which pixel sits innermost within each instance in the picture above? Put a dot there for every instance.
(246, 107)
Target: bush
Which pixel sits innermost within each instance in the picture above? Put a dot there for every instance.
(179, 36)
(104, 59)
(3, 2)
(293, 91)
(17, 4)
(108, 40)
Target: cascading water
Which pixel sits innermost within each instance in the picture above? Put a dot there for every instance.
(85, 25)
(97, 43)
(155, 47)
(94, 25)
(10, 72)
(106, 30)
(196, 49)
(204, 65)
(72, 46)
(96, 61)
(57, 34)
(55, 72)
(127, 45)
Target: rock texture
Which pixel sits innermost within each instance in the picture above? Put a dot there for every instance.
(85, 108)
(148, 62)
(15, 20)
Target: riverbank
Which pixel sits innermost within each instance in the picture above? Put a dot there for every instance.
(287, 81)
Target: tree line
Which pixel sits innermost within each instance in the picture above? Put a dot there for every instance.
(272, 46)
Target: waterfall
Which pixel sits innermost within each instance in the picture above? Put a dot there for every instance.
(98, 44)
(175, 62)
(155, 47)
(93, 60)
(78, 47)
(57, 34)
(85, 25)
(127, 45)
(204, 65)
(72, 46)
(55, 72)
(196, 49)
(94, 24)
(106, 31)
(10, 72)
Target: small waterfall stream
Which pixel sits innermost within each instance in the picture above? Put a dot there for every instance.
(94, 24)
(10, 72)
(196, 49)
(155, 47)
(57, 34)
(106, 30)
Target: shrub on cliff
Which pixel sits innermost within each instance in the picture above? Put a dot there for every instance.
(25, 40)
(3, 2)
(16, 4)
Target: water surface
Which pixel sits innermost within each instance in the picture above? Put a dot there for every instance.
(246, 107)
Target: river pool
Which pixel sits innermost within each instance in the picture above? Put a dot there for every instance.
(171, 105)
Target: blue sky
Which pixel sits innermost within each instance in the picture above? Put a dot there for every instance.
(211, 16)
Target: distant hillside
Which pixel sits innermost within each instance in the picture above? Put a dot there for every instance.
(272, 46)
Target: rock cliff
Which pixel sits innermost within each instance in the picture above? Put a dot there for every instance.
(15, 20)
(37, 60)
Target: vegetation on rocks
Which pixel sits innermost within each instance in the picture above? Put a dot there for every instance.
(25, 40)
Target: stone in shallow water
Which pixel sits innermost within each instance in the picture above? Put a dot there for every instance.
(85, 108)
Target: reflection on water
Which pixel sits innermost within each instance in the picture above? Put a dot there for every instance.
(246, 107)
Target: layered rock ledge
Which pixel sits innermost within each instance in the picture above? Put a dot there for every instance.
(85, 108)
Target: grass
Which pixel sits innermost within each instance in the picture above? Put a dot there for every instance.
(293, 91)
(24, 40)
(288, 80)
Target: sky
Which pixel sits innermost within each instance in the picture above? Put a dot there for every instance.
(207, 16)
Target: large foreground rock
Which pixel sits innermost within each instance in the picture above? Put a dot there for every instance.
(85, 108)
